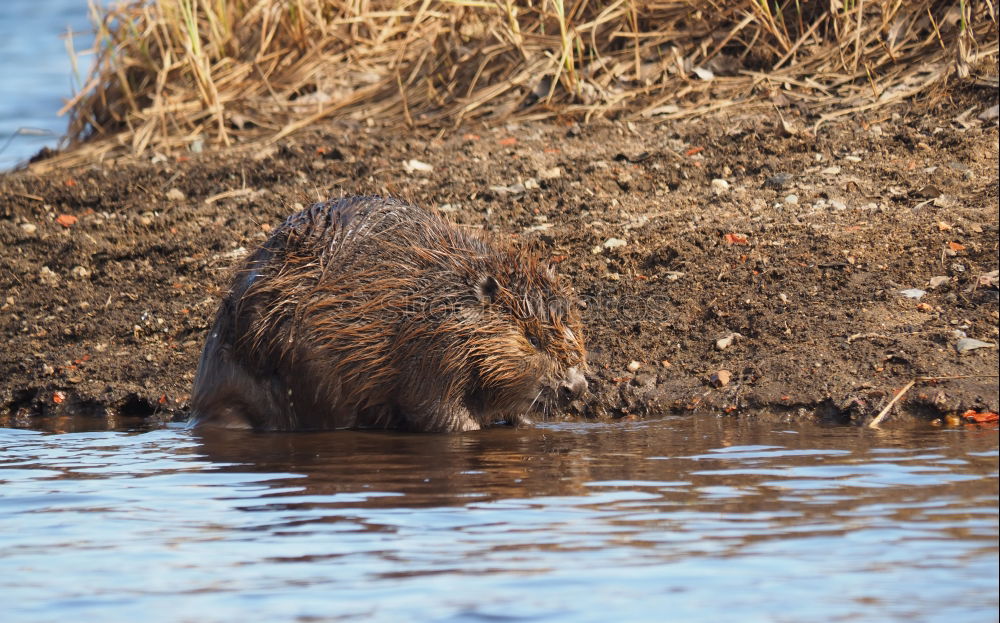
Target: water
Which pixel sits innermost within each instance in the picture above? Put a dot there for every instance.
(36, 74)
(683, 519)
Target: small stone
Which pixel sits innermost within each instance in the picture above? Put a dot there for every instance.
(175, 194)
(66, 220)
(673, 275)
(966, 344)
(989, 280)
(724, 342)
(416, 166)
(912, 293)
(778, 181)
(531, 184)
(937, 282)
(633, 366)
(644, 380)
(830, 171)
(721, 378)
(550, 174)
(47, 277)
(614, 243)
(145, 221)
(840, 206)
(29, 228)
(79, 272)
(792, 200)
(47, 369)
(720, 186)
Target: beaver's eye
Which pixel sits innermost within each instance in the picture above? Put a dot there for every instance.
(534, 341)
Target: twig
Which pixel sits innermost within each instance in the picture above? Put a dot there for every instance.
(885, 411)
(238, 192)
(881, 416)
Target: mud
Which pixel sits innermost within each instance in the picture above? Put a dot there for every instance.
(682, 237)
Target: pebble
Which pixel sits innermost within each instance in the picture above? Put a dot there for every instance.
(614, 243)
(413, 166)
(515, 189)
(840, 206)
(29, 228)
(633, 366)
(46, 276)
(967, 343)
(792, 200)
(912, 293)
(724, 342)
(721, 378)
(831, 171)
(175, 194)
(937, 282)
(778, 181)
(80, 272)
(720, 186)
(550, 174)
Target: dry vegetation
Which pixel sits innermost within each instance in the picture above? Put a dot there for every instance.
(176, 73)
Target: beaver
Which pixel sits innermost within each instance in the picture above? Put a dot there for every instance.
(370, 312)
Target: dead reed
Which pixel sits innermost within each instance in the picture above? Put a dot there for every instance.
(170, 73)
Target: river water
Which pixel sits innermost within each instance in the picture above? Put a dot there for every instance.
(36, 73)
(680, 519)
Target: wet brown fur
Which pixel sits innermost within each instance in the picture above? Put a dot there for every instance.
(372, 313)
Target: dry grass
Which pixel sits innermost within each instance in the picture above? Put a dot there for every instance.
(170, 73)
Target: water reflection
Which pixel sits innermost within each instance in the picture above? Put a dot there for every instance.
(703, 518)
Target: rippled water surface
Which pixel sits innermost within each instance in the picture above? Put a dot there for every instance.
(682, 519)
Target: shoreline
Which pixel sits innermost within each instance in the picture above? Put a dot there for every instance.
(731, 266)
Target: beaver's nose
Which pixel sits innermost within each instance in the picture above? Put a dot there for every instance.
(574, 384)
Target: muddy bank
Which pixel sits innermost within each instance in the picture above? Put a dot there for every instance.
(730, 265)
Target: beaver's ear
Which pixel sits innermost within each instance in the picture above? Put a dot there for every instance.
(486, 289)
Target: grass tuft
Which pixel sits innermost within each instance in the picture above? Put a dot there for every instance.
(169, 72)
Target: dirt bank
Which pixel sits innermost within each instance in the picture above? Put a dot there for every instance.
(682, 237)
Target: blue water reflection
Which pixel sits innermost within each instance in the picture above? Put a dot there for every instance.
(681, 519)
(37, 72)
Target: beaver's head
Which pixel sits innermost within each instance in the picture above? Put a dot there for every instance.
(526, 347)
